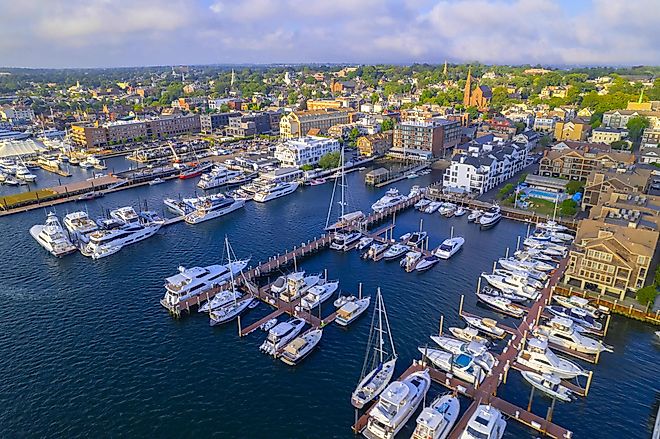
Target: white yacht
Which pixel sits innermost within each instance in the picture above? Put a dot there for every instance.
(549, 384)
(318, 294)
(491, 217)
(22, 173)
(52, 237)
(502, 304)
(511, 283)
(581, 302)
(344, 240)
(468, 334)
(462, 366)
(437, 420)
(409, 263)
(537, 356)
(229, 311)
(180, 207)
(487, 326)
(298, 284)
(80, 225)
(301, 346)
(275, 190)
(351, 310)
(124, 228)
(375, 250)
(396, 405)
(214, 206)
(562, 332)
(460, 211)
(422, 204)
(396, 251)
(433, 207)
(486, 423)
(219, 300)
(218, 176)
(281, 335)
(515, 264)
(476, 349)
(578, 315)
(391, 198)
(449, 247)
(427, 262)
(195, 281)
(364, 242)
(520, 277)
(552, 226)
(416, 239)
(474, 216)
(508, 294)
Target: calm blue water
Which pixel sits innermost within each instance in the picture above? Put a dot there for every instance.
(85, 346)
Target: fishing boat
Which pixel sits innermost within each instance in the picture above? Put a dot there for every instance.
(563, 332)
(301, 346)
(395, 252)
(427, 262)
(280, 335)
(491, 217)
(364, 242)
(486, 326)
(318, 294)
(578, 315)
(379, 361)
(502, 305)
(537, 356)
(410, 261)
(375, 250)
(474, 216)
(396, 405)
(549, 384)
(477, 350)
(485, 423)
(437, 420)
(52, 237)
(581, 302)
(349, 311)
(462, 366)
(468, 334)
(449, 246)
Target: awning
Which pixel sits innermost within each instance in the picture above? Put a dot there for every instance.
(15, 148)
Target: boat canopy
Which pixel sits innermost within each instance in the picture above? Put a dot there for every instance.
(348, 309)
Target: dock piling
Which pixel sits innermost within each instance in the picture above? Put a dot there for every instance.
(442, 320)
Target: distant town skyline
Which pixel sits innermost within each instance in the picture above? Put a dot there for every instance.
(116, 33)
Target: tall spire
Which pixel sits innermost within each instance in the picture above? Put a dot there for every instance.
(467, 93)
(444, 71)
(641, 95)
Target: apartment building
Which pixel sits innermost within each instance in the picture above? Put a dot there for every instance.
(608, 135)
(620, 118)
(306, 150)
(483, 166)
(650, 138)
(16, 113)
(375, 144)
(299, 123)
(425, 140)
(577, 164)
(634, 180)
(210, 123)
(576, 129)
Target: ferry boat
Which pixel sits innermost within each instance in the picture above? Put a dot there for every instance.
(485, 423)
(301, 346)
(214, 206)
(344, 240)
(52, 237)
(124, 228)
(563, 332)
(195, 281)
(280, 335)
(449, 247)
(351, 310)
(437, 420)
(80, 225)
(462, 366)
(391, 198)
(396, 405)
(491, 217)
(537, 356)
(218, 176)
(318, 294)
(275, 190)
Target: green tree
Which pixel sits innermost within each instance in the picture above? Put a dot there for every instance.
(646, 295)
(387, 125)
(330, 160)
(353, 135)
(506, 190)
(568, 207)
(473, 112)
(635, 127)
(374, 98)
(574, 186)
(307, 167)
(292, 99)
(620, 144)
(520, 127)
(545, 141)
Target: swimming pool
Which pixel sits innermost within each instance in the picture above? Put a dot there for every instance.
(545, 195)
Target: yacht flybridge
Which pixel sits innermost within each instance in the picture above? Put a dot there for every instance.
(391, 198)
(52, 237)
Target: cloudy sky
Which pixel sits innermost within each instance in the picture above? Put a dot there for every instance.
(98, 33)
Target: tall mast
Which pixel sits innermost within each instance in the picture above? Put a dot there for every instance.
(387, 323)
(343, 181)
(231, 271)
(380, 325)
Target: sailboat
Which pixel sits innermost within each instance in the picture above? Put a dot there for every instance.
(345, 218)
(378, 367)
(232, 310)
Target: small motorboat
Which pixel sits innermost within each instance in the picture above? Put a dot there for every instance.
(449, 247)
(375, 250)
(395, 252)
(460, 211)
(486, 326)
(427, 262)
(364, 242)
(462, 366)
(409, 263)
(432, 207)
(267, 326)
(549, 384)
(317, 181)
(156, 181)
(405, 237)
(422, 204)
(478, 350)
(253, 304)
(474, 216)
(279, 286)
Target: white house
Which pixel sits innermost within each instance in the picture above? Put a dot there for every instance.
(306, 150)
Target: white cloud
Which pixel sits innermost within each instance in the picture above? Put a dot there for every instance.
(137, 32)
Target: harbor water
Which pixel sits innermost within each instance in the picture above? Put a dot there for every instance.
(86, 348)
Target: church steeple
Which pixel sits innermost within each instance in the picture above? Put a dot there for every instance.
(467, 93)
(444, 71)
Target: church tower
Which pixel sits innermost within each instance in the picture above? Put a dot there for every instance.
(468, 89)
(444, 71)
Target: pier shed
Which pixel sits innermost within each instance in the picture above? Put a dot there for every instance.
(376, 176)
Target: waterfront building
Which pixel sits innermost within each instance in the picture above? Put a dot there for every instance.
(577, 164)
(608, 135)
(299, 123)
(633, 181)
(304, 150)
(576, 129)
(425, 140)
(375, 144)
(210, 123)
(483, 166)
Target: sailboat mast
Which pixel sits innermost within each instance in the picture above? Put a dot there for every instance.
(343, 181)
(387, 324)
(231, 271)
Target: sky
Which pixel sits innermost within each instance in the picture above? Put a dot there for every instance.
(112, 33)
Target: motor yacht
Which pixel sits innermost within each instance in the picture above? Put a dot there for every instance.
(537, 356)
(502, 305)
(80, 225)
(449, 247)
(476, 349)
(491, 217)
(485, 423)
(344, 240)
(364, 242)
(218, 176)
(552, 226)
(437, 420)
(318, 294)
(375, 250)
(511, 284)
(396, 405)
(301, 346)
(416, 239)
(298, 284)
(486, 326)
(213, 206)
(275, 190)
(578, 315)
(581, 302)
(468, 334)
(180, 207)
(52, 237)
(433, 207)
(562, 332)
(515, 264)
(351, 310)
(508, 294)
(195, 281)
(22, 173)
(520, 277)
(391, 198)
(409, 263)
(219, 300)
(549, 384)
(447, 210)
(124, 228)
(280, 335)
(395, 252)
(462, 366)
(422, 204)
(427, 262)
